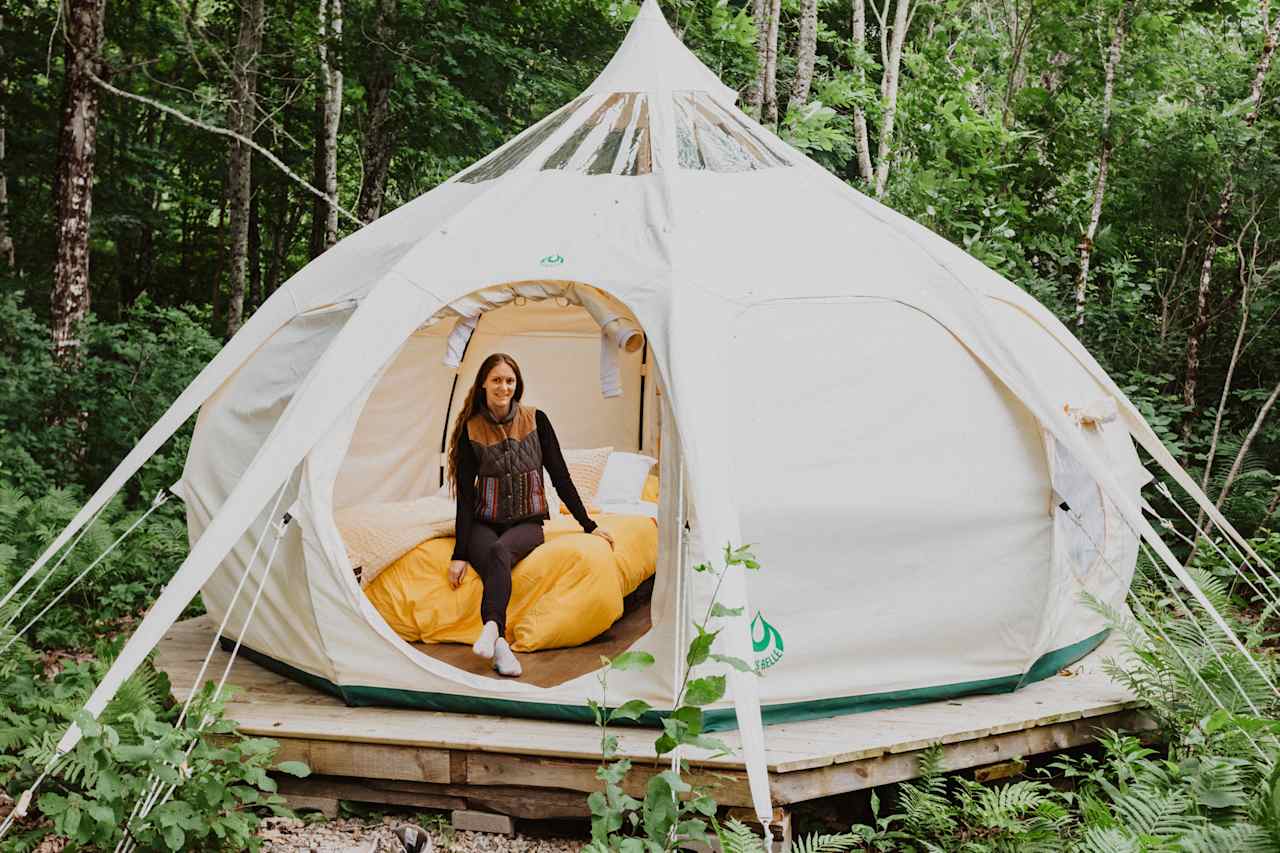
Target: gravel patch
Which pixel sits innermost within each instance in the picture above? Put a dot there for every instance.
(355, 835)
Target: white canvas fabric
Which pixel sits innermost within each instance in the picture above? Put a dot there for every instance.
(887, 420)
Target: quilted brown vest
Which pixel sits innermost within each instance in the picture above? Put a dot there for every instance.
(509, 466)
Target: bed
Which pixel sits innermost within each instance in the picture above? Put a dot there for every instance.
(565, 593)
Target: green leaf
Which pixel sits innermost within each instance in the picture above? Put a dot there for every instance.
(691, 717)
(174, 837)
(294, 768)
(700, 647)
(631, 710)
(71, 820)
(664, 744)
(740, 556)
(704, 691)
(711, 743)
(737, 663)
(631, 661)
(719, 610)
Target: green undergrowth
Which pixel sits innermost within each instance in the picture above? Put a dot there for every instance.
(221, 791)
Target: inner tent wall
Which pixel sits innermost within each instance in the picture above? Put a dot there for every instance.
(396, 453)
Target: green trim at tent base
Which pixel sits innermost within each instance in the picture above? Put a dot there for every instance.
(716, 720)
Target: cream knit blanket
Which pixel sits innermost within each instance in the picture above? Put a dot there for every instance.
(376, 535)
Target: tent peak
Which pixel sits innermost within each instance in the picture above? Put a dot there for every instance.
(652, 59)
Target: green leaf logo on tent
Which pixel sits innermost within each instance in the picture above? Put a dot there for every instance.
(766, 642)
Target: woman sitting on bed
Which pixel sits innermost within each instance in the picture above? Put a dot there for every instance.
(496, 455)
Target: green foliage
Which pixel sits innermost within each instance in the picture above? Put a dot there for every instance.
(222, 784)
(673, 810)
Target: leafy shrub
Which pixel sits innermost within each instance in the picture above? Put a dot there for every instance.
(112, 595)
(221, 786)
(68, 429)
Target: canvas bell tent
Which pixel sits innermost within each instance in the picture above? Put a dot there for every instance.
(932, 470)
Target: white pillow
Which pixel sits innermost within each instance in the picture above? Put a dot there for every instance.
(624, 477)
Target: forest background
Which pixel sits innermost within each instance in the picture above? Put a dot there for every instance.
(1117, 159)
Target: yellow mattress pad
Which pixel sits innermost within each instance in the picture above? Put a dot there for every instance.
(566, 592)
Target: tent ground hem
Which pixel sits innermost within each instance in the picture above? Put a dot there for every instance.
(724, 719)
(1045, 666)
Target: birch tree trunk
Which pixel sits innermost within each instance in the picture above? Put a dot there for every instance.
(378, 137)
(241, 116)
(755, 95)
(1213, 235)
(1247, 270)
(6, 239)
(889, 89)
(769, 112)
(1244, 448)
(73, 179)
(1104, 159)
(806, 52)
(859, 114)
(325, 212)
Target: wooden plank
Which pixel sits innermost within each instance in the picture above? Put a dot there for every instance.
(520, 802)
(498, 769)
(363, 791)
(902, 766)
(372, 761)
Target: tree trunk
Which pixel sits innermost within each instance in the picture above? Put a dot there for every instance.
(1104, 159)
(1213, 235)
(889, 89)
(215, 298)
(378, 137)
(241, 117)
(755, 95)
(1244, 448)
(6, 239)
(325, 224)
(769, 112)
(859, 114)
(73, 179)
(806, 52)
(1021, 24)
(1247, 270)
(254, 260)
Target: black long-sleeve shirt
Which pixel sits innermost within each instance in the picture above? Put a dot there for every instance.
(552, 460)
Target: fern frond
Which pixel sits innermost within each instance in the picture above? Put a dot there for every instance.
(826, 843)
(736, 837)
(1237, 838)
(1110, 839)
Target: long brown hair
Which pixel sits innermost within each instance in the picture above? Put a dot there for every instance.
(475, 403)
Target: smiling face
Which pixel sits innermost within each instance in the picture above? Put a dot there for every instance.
(499, 387)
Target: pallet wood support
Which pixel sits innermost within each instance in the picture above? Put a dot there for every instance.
(530, 769)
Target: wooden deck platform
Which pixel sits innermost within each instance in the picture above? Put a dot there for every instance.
(537, 768)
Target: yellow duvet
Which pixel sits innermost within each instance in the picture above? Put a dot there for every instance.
(566, 592)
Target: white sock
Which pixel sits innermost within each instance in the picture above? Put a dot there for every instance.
(504, 660)
(484, 646)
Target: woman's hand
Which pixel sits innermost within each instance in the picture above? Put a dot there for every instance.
(456, 570)
(603, 534)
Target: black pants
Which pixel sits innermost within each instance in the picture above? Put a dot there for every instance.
(492, 552)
